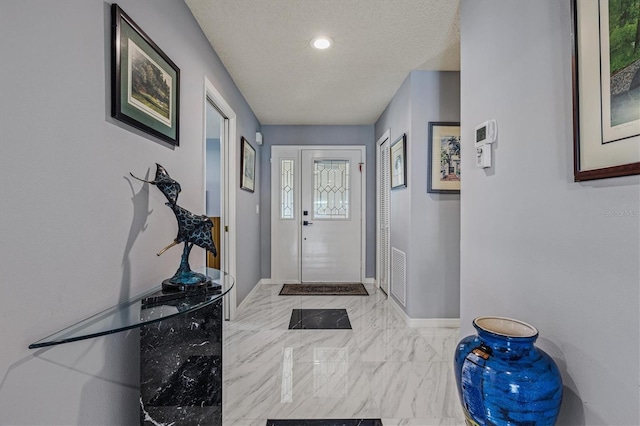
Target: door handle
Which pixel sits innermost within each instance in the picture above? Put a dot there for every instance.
(307, 223)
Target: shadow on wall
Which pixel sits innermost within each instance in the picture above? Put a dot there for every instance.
(112, 392)
(572, 408)
(123, 355)
(111, 395)
(115, 390)
(141, 212)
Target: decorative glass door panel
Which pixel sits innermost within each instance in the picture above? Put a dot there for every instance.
(331, 189)
(287, 206)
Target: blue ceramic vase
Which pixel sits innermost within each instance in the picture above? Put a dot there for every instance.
(503, 379)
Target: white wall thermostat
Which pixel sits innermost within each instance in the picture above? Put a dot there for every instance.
(483, 156)
(486, 132)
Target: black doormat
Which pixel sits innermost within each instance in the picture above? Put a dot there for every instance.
(325, 422)
(324, 289)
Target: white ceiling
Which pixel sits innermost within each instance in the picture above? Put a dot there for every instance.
(264, 44)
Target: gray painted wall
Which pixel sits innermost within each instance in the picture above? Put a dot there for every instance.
(425, 226)
(77, 234)
(316, 135)
(248, 252)
(536, 245)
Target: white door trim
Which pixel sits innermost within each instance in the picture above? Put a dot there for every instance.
(363, 221)
(228, 162)
(385, 136)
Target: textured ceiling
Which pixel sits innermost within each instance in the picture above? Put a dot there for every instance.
(264, 44)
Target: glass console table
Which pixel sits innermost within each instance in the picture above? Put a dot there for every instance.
(180, 349)
(147, 308)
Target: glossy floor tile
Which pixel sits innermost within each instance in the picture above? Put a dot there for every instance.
(319, 319)
(379, 369)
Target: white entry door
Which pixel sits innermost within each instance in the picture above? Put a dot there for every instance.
(331, 216)
(317, 212)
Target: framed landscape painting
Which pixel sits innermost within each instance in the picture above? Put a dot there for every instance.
(444, 158)
(145, 83)
(606, 88)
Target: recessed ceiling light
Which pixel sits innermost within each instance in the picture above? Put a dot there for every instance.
(321, 43)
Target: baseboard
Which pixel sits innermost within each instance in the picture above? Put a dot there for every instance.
(423, 322)
(370, 281)
(248, 296)
(272, 281)
(434, 322)
(398, 309)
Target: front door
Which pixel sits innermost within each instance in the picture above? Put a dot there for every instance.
(331, 215)
(317, 214)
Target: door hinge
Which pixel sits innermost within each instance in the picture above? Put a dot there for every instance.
(226, 228)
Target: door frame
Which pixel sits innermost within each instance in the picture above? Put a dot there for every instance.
(386, 136)
(276, 277)
(228, 162)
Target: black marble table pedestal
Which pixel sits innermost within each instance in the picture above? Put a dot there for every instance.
(181, 364)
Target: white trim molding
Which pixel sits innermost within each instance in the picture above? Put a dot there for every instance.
(385, 137)
(423, 322)
(370, 281)
(229, 188)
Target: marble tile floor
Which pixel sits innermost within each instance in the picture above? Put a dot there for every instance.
(379, 369)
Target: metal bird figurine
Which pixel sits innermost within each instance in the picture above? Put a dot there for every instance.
(192, 230)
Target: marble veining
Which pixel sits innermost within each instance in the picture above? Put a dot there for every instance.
(181, 367)
(319, 319)
(378, 369)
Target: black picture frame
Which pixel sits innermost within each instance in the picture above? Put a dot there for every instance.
(247, 165)
(398, 158)
(152, 105)
(595, 154)
(444, 163)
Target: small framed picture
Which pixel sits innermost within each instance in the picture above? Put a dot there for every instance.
(398, 162)
(444, 158)
(145, 83)
(247, 166)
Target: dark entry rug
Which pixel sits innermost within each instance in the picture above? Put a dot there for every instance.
(322, 422)
(324, 289)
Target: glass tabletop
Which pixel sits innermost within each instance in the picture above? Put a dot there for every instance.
(149, 307)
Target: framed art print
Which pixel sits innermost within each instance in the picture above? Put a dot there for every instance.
(247, 166)
(444, 158)
(606, 89)
(399, 162)
(145, 83)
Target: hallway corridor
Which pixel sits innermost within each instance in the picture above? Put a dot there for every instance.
(379, 369)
